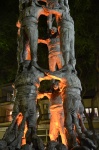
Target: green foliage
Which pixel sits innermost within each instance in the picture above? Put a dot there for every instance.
(85, 14)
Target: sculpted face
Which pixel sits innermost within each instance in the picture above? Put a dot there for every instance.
(55, 87)
(53, 30)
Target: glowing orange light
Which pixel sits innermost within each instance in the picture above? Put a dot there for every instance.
(28, 54)
(18, 25)
(19, 119)
(23, 138)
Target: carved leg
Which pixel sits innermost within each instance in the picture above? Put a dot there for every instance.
(60, 61)
(52, 63)
(32, 33)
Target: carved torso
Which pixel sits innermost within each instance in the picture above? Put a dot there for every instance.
(72, 81)
(24, 79)
(54, 45)
(66, 21)
(31, 14)
(56, 104)
(55, 99)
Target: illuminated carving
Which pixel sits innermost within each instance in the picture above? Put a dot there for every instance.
(65, 97)
(55, 54)
(56, 113)
(19, 119)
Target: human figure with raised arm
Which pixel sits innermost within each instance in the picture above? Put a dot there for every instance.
(71, 98)
(65, 25)
(55, 54)
(29, 16)
(56, 112)
(26, 84)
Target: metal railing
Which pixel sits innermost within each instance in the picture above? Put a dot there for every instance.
(43, 134)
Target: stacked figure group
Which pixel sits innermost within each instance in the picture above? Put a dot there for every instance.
(66, 109)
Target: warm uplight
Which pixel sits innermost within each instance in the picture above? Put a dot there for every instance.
(28, 54)
(19, 121)
(18, 25)
(23, 138)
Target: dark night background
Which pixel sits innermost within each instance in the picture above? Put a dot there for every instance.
(86, 18)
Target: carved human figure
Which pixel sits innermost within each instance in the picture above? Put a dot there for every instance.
(71, 98)
(67, 38)
(29, 15)
(55, 55)
(23, 48)
(65, 25)
(27, 83)
(29, 25)
(56, 113)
